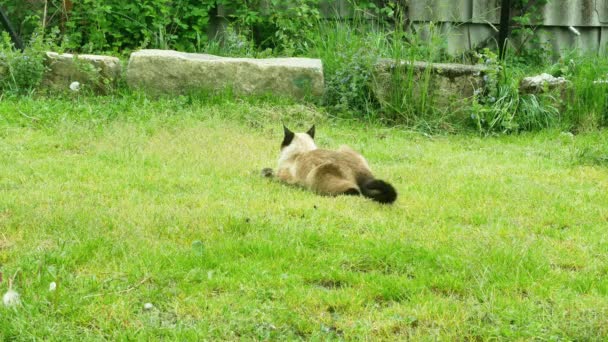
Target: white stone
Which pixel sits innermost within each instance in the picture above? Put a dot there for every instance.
(538, 83)
(11, 298)
(75, 86)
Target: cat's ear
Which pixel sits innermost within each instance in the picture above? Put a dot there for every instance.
(288, 136)
(311, 131)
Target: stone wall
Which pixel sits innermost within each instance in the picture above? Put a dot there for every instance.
(443, 86)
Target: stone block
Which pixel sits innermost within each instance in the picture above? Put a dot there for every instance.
(172, 72)
(95, 71)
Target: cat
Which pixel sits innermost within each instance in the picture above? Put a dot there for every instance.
(327, 172)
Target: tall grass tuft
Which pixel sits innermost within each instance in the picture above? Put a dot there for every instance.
(586, 106)
(502, 109)
(349, 50)
(411, 99)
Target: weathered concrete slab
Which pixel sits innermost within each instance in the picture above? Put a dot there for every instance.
(444, 86)
(95, 71)
(172, 72)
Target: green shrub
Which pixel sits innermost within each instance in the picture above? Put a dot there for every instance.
(89, 26)
(496, 112)
(22, 70)
(348, 57)
(119, 26)
(527, 47)
(283, 26)
(350, 50)
(502, 109)
(233, 44)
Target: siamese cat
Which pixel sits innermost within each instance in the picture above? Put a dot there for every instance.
(326, 172)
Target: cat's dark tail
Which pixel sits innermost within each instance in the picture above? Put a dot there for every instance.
(378, 190)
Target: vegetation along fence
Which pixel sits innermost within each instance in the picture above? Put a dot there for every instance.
(556, 25)
(551, 25)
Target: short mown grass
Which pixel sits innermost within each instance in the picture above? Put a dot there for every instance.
(125, 201)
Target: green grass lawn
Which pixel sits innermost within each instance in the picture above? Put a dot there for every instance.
(128, 201)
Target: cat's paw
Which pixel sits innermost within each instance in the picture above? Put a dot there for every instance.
(267, 172)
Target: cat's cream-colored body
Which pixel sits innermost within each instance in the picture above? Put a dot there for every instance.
(328, 172)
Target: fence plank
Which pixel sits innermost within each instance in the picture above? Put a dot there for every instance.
(440, 10)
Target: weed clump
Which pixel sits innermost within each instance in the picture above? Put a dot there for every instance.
(21, 71)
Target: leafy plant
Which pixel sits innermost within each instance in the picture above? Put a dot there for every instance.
(232, 43)
(502, 109)
(348, 87)
(118, 26)
(496, 112)
(348, 59)
(527, 44)
(285, 27)
(22, 71)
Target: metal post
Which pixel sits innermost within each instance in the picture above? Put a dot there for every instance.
(11, 31)
(505, 25)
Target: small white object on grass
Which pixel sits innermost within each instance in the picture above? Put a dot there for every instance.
(11, 298)
(148, 306)
(567, 134)
(52, 286)
(75, 86)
